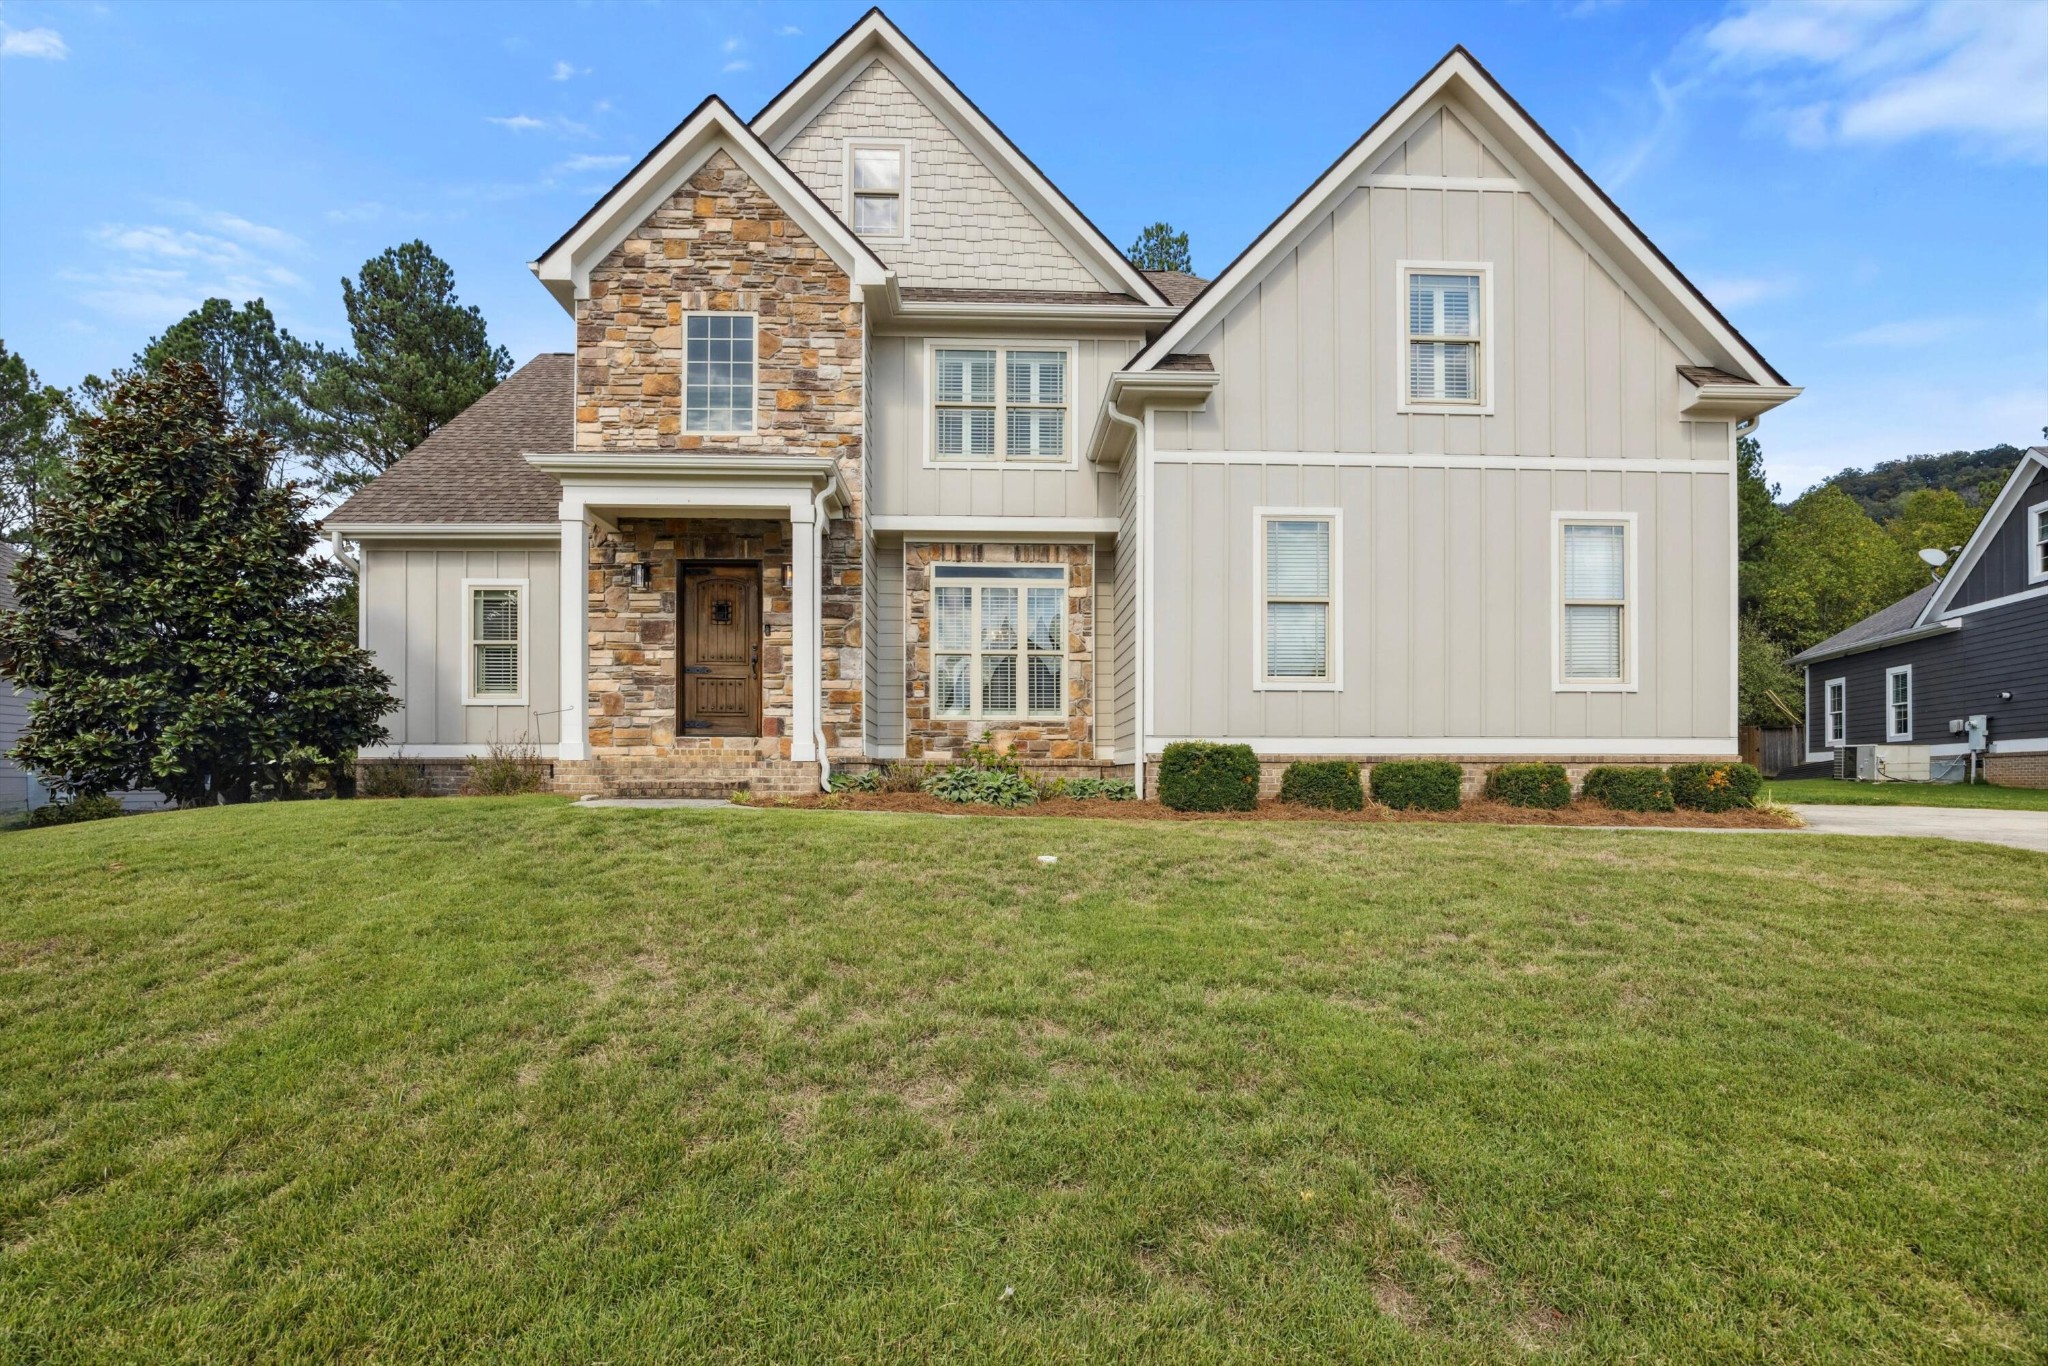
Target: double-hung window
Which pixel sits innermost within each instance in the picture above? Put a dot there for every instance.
(999, 403)
(1898, 703)
(875, 177)
(1297, 598)
(496, 640)
(1445, 331)
(1837, 690)
(718, 372)
(2037, 531)
(1593, 625)
(999, 641)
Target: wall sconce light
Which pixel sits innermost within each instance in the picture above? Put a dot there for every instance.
(643, 573)
(783, 571)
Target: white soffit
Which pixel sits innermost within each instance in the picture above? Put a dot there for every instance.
(712, 127)
(1541, 169)
(873, 37)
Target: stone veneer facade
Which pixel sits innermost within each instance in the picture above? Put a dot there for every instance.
(719, 244)
(929, 737)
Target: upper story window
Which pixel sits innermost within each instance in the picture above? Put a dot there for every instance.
(998, 403)
(999, 640)
(1594, 627)
(718, 372)
(875, 180)
(1297, 597)
(1445, 313)
(2037, 527)
(497, 640)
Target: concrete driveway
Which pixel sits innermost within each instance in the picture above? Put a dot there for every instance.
(2019, 829)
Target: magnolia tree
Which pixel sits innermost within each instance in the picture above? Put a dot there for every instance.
(171, 623)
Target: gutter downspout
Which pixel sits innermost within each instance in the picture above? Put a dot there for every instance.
(817, 628)
(1137, 426)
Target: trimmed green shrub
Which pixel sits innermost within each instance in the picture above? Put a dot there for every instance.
(1715, 787)
(87, 806)
(1628, 789)
(1331, 784)
(1417, 784)
(399, 777)
(981, 786)
(1196, 775)
(1542, 785)
(1088, 789)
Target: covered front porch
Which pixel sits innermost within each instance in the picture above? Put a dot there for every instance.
(715, 614)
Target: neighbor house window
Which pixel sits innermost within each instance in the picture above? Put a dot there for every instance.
(1446, 327)
(1898, 703)
(1594, 628)
(999, 403)
(876, 177)
(2037, 526)
(1838, 711)
(718, 372)
(999, 641)
(497, 641)
(1297, 598)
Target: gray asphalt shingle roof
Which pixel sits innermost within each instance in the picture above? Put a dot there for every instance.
(1890, 621)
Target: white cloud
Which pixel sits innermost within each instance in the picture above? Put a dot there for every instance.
(45, 43)
(789, 31)
(568, 71)
(741, 64)
(1907, 332)
(151, 274)
(1836, 71)
(518, 123)
(1734, 291)
(734, 43)
(592, 163)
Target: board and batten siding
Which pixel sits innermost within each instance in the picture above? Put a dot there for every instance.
(1122, 666)
(1446, 603)
(17, 788)
(885, 650)
(900, 412)
(413, 620)
(1309, 357)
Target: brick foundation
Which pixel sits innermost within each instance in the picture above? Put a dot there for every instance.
(2016, 770)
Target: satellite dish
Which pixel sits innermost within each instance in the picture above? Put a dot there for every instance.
(1934, 558)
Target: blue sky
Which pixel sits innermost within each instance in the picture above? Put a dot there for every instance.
(1862, 188)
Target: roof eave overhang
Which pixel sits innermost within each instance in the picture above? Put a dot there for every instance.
(1734, 402)
(1812, 657)
(589, 474)
(1131, 393)
(564, 268)
(442, 531)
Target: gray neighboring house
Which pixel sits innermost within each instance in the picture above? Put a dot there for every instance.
(1974, 643)
(872, 446)
(19, 789)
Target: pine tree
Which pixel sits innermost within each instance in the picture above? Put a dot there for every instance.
(1159, 247)
(171, 619)
(32, 418)
(262, 370)
(420, 358)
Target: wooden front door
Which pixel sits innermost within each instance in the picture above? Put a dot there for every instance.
(721, 620)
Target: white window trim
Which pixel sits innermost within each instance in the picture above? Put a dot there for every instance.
(683, 367)
(1827, 713)
(1068, 460)
(470, 697)
(1333, 639)
(901, 146)
(2035, 515)
(1023, 715)
(1631, 610)
(1487, 334)
(1889, 674)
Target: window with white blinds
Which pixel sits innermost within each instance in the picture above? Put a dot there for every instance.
(718, 372)
(497, 641)
(2037, 568)
(999, 641)
(1838, 711)
(998, 403)
(1898, 699)
(876, 184)
(1445, 330)
(1297, 598)
(1593, 633)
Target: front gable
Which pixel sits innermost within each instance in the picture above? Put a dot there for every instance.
(2001, 560)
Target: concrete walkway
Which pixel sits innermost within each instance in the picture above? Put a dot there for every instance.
(2019, 829)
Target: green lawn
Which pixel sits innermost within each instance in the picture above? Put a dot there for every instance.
(402, 1080)
(1836, 792)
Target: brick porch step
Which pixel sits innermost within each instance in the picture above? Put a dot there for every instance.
(698, 776)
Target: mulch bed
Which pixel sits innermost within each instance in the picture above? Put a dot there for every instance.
(1472, 813)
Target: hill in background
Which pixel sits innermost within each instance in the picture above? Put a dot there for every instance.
(1976, 475)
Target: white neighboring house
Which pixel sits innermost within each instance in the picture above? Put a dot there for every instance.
(871, 446)
(19, 789)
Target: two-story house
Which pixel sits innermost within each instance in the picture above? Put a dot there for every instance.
(873, 446)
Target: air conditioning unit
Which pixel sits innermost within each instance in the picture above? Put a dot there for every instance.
(1845, 762)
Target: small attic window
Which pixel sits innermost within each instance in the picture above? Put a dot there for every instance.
(875, 178)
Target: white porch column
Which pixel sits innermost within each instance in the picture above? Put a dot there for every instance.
(803, 631)
(575, 743)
